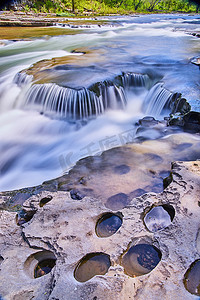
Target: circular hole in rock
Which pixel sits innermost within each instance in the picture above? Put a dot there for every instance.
(192, 278)
(92, 264)
(159, 217)
(44, 267)
(117, 201)
(141, 259)
(39, 264)
(24, 216)
(45, 200)
(108, 224)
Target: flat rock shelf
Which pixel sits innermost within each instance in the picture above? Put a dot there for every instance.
(61, 234)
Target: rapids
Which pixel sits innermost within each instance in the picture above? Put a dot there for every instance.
(139, 63)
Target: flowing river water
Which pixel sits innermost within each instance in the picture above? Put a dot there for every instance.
(86, 101)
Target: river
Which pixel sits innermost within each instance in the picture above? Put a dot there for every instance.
(139, 62)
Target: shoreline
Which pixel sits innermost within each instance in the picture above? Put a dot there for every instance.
(31, 19)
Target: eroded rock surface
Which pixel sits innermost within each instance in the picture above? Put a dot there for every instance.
(64, 229)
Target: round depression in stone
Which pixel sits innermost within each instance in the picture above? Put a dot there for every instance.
(192, 278)
(141, 259)
(44, 267)
(90, 265)
(108, 225)
(159, 217)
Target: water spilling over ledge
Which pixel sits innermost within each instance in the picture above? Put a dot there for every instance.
(85, 103)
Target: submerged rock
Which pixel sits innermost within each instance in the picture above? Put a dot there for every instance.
(117, 201)
(192, 121)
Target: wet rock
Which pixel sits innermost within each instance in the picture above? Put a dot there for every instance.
(164, 173)
(117, 201)
(90, 265)
(167, 180)
(196, 61)
(137, 193)
(153, 157)
(180, 105)
(108, 224)
(176, 120)
(148, 121)
(76, 194)
(141, 259)
(183, 146)
(192, 278)
(145, 133)
(192, 121)
(121, 169)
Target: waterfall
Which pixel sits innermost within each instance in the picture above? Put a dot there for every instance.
(85, 103)
(68, 103)
(157, 99)
(130, 80)
(22, 79)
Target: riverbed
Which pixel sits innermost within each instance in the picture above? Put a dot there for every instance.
(128, 68)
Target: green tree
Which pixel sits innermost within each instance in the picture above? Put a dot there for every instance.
(137, 3)
(152, 4)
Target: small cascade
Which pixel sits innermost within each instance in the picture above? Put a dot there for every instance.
(157, 99)
(82, 104)
(113, 97)
(72, 104)
(130, 80)
(22, 79)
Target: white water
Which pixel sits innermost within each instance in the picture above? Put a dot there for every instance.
(36, 147)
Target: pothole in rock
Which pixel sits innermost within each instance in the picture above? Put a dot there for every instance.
(108, 224)
(117, 201)
(44, 267)
(192, 278)
(1, 259)
(121, 169)
(24, 216)
(140, 259)
(92, 264)
(159, 217)
(39, 264)
(45, 200)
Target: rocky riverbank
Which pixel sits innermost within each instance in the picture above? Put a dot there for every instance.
(30, 19)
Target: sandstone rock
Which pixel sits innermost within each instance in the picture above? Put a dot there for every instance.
(65, 229)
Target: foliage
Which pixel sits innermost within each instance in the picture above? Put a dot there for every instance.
(64, 7)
